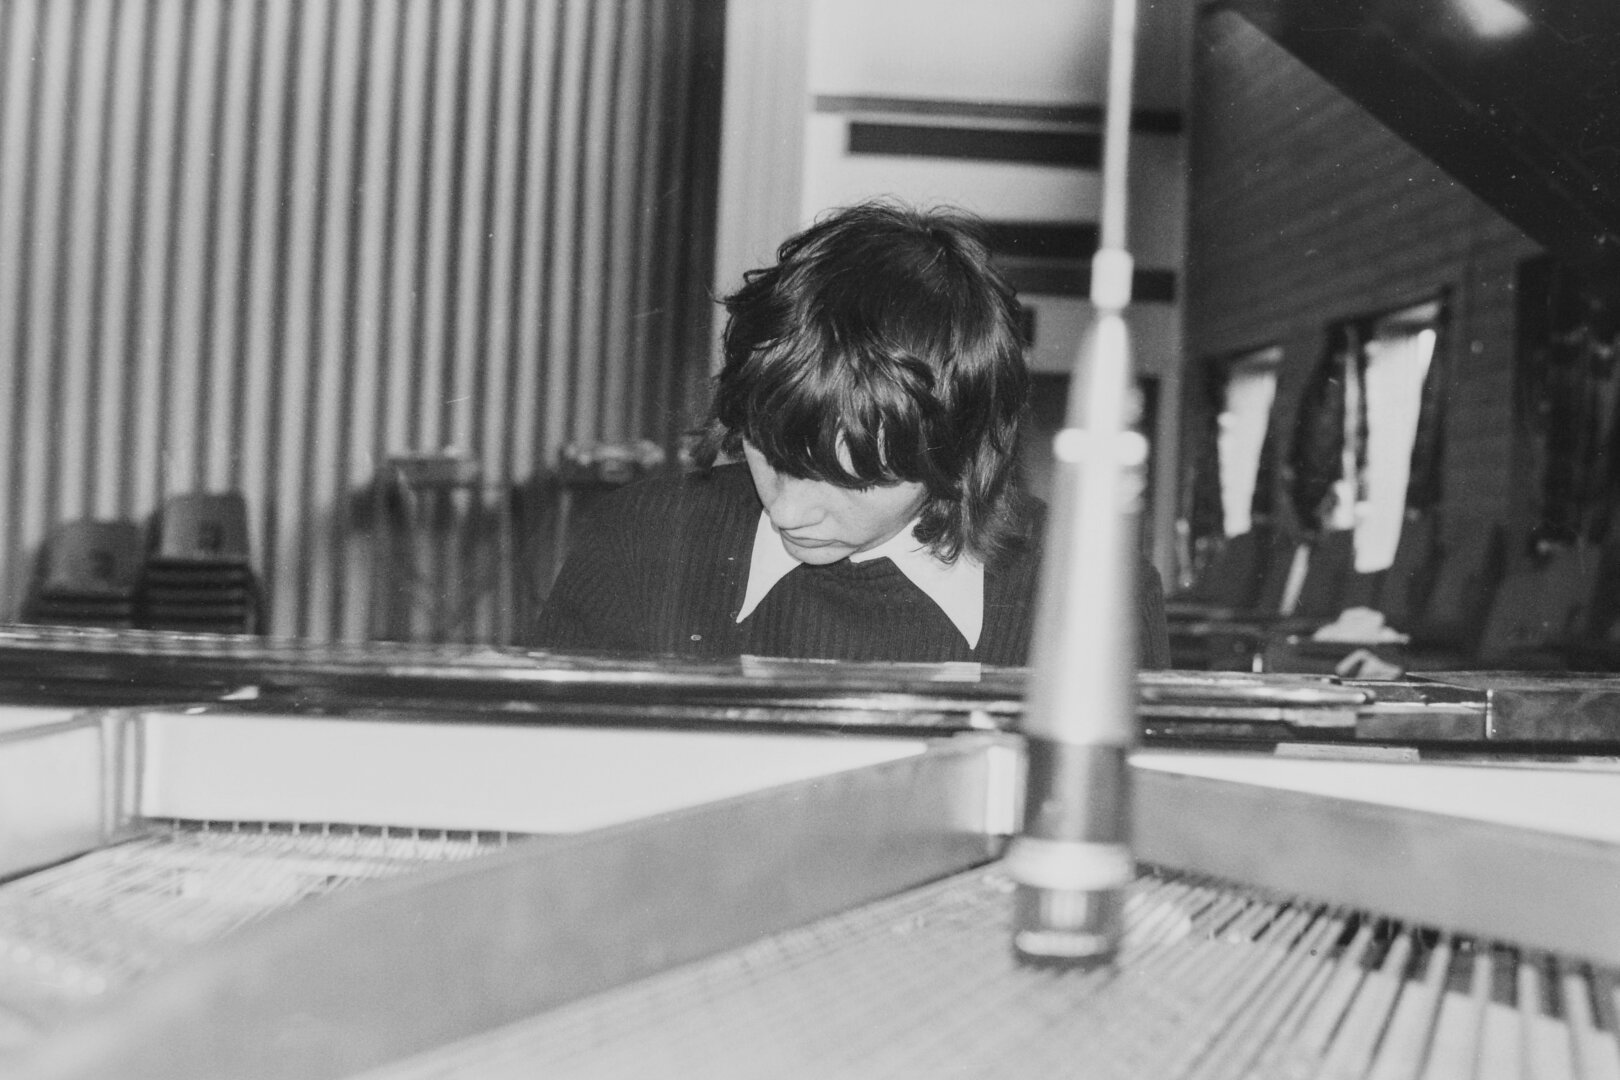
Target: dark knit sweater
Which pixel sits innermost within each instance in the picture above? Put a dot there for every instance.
(662, 565)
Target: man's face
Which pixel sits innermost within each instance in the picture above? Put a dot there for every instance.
(820, 523)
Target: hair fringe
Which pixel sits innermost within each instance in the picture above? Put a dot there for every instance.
(888, 330)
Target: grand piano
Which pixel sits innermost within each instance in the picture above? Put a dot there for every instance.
(237, 856)
(245, 857)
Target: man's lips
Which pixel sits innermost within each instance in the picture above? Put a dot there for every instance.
(807, 541)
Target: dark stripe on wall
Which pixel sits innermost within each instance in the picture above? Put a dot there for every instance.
(607, 393)
(209, 365)
(247, 240)
(461, 80)
(582, 413)
(1147, 286)
(677, 173)
(1042, 240)
(1078, 150)
(423, 159)
(549, 379)
(487, 240)
(352, 269)
(179, 147)
(17, 486)
(1143, 121)
(309, 445)
(283, 171)
(58, 367)
(134, 310)
(1064, 250)
(384, 431)
(94, 435)
(506, 461)
(648, 78)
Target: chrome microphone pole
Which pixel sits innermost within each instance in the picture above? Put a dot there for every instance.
(1071, 860)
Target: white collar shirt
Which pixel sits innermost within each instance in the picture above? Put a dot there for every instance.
(956, 587)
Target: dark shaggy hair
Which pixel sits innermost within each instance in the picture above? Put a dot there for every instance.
(884, 330)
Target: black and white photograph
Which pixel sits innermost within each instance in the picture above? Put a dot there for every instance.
(809, 539)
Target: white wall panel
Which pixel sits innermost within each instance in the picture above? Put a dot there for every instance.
(761, 177)
(1006, 50)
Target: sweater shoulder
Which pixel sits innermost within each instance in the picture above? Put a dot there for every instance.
(1021, 557)
(714, 495)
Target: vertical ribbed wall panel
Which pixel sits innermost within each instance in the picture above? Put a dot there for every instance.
(266, 245)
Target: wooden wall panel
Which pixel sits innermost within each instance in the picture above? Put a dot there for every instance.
(265, 245)
(1303, 210)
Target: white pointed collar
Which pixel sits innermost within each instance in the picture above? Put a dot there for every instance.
(957, 587)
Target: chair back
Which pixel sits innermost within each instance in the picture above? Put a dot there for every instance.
(1232, 577)
(198, 577)
(91, 558)
(1332, 561)
(1538, 609)
(199, 527)
(1411, 575)
(1282, 548)
(87, 575)
(1468, 569)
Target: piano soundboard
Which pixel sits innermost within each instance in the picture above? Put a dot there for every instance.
(1214, 982)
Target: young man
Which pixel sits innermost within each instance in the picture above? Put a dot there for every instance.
(873, 386)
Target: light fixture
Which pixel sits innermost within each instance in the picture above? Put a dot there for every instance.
(1493, 19)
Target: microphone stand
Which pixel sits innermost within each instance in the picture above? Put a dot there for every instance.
(1071, 861)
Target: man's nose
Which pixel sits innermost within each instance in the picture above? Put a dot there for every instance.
(794, 504)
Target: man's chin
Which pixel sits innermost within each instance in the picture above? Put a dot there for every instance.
(818, 556)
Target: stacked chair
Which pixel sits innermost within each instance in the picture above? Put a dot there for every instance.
(1403, 589)
(87, 575)
(1441, 593)
(1329, 586)
(1247, 612)
(1220, 622)
(1597, 646)
(1451, 597)
(1448, 620)
(1539, 609)
(198, 577)
(439, 551)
